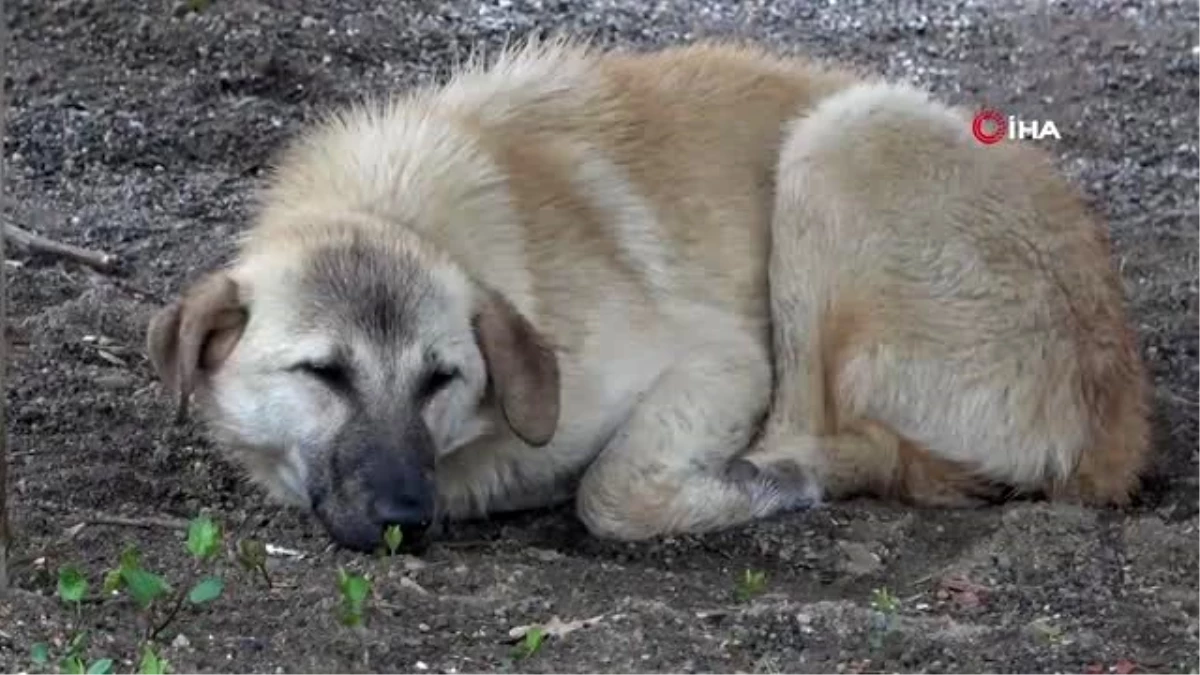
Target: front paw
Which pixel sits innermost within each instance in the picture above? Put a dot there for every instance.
(789, 485)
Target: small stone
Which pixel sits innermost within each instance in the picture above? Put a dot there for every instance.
(413, 563)
(545, 555)
(181, 641)
(117, 381)
(857, 559)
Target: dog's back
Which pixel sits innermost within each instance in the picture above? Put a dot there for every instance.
(650, 174)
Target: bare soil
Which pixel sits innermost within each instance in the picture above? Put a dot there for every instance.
(141, 127)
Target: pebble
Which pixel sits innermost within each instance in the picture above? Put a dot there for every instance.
(858, 560)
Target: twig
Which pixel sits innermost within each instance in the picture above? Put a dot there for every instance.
(174, 611)
(468, 544)
(97, 260)
(266, 577)
(91, 517)
(1176, 398)
(147, 523)
(5, 531)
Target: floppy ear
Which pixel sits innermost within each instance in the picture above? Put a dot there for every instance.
(522, 367)
(195, 333)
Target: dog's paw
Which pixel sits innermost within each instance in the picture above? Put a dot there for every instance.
(786, 484)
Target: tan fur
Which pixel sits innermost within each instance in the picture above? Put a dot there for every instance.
(760, 282)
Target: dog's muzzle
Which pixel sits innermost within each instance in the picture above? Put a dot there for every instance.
(377, 480)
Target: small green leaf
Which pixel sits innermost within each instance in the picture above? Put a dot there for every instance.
(153, 664)
(39, 653)
(354, 589)
(112, 582)
(130, 559)
(751, 584)
(100, 667)
(206, 591)
(72, 585)
(883, 601)
(204, 538)
(72, 665)
(78, 643)
(530, 644)
(252, 554)
(393, 537)
(144, 587)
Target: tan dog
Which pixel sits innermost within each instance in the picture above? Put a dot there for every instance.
(687, 288)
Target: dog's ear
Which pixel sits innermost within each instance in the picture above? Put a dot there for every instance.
(522, 367)
(195, 333)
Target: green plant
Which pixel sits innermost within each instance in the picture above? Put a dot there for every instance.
(72, 585)
(158, 600)
(72, 590)
(152, 663)
(252, 555)
(73, 665)
(883, 601)
(884, 608)
(354, 589)
(203, 538)
(393, 536)
(149, 591)
(39, 654)
(530, 643)
(751, 584)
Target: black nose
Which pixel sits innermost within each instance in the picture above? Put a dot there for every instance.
(413, 512)
(367, 532)
(401, 493)
(378, 479)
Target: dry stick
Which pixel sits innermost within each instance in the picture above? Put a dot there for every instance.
(97, 260)
(153, 628)
(1176, 398)
(5, 534)
(147, 523)
(89, 517)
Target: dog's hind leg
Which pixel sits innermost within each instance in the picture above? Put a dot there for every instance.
(853, 316)
(942, 327)
(666, 469)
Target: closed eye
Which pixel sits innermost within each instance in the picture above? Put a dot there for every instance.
(333, 374)
(435, 381)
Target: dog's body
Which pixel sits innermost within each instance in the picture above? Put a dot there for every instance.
(691, 288)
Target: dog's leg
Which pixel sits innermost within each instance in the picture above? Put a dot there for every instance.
(667, 469)
(473, 483)
(814, 316)
(922, 347)
(864, 458)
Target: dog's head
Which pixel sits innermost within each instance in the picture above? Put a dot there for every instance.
(339, 371)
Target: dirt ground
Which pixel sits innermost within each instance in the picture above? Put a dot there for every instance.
(141, 127)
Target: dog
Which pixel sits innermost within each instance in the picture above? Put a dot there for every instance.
(686, 289)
